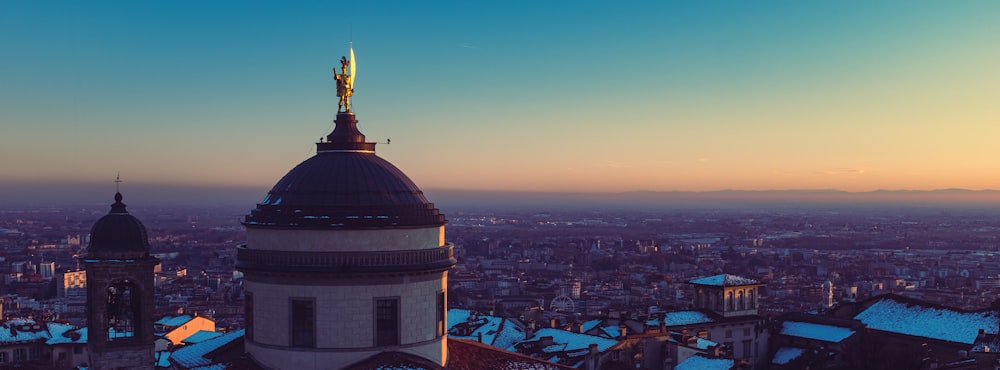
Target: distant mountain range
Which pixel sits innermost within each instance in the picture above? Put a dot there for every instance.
(722, 199)
(146, 194)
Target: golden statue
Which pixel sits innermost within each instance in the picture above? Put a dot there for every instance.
(345, 82)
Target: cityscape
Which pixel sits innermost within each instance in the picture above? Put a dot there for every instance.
(582, 272)
(656, 186)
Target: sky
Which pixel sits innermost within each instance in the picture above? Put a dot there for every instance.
(514, 95)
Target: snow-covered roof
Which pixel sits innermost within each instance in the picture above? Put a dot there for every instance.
(989, 343)
(565, 348)
(698, 342)
(612, 331)
(66, 334)
(724, 280)
(826, 333)
(566, 341)
(678, 318)
(785, 355)
(192, 356)
(590, 325)
(496, 331)
(457, 315)
(174, 321)
(163, 359)
(929, 322)
(201, 336)
(222, 367)
(23, 331)
(704, 344)
(705, 363)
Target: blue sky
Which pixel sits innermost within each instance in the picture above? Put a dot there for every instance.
(547, 96)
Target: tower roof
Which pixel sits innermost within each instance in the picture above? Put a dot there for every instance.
(725, 280)
(345, 185)
(118, 235)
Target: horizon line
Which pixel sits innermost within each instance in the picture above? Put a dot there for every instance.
(111, 184)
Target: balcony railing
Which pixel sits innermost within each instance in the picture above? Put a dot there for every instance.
(345, 262)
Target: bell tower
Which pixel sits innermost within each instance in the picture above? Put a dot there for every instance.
(119, 292)
(727, 295)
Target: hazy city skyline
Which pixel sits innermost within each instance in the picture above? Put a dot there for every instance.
(589, 97)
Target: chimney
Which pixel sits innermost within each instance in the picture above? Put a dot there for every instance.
(578, 327)
(479, 337)
(622, 330)
(553, 322)
(529, 330)
(663, 323)
(591, 358)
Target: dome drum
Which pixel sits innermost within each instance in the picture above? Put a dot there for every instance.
(345, 217)
(338, 263)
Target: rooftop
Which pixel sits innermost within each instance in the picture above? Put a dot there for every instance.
(724, 280)
(826, 333)
(194, 355)
(785, 355)
(345, 185)
(495, 331)
(911, 318)
(698, 362)
(173, 321)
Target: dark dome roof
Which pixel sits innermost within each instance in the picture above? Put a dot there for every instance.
(118, 235)
(345, 185)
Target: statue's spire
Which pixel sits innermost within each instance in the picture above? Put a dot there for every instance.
(345, 81)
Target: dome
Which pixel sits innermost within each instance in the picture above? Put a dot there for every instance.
(118, 235)
(345, 185)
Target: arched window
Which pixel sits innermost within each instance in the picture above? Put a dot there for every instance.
(123, 310)
(753, 298)
(731, 301)
(741, 302)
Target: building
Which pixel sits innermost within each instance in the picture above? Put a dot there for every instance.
(34, 344)
(906, 333)
(345, 259)
(119, 292)
(733, 301)
(72, 285)
(173, 330)
(827, 295)
(813, 341)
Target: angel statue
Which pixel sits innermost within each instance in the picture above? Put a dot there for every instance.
(345, 83)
